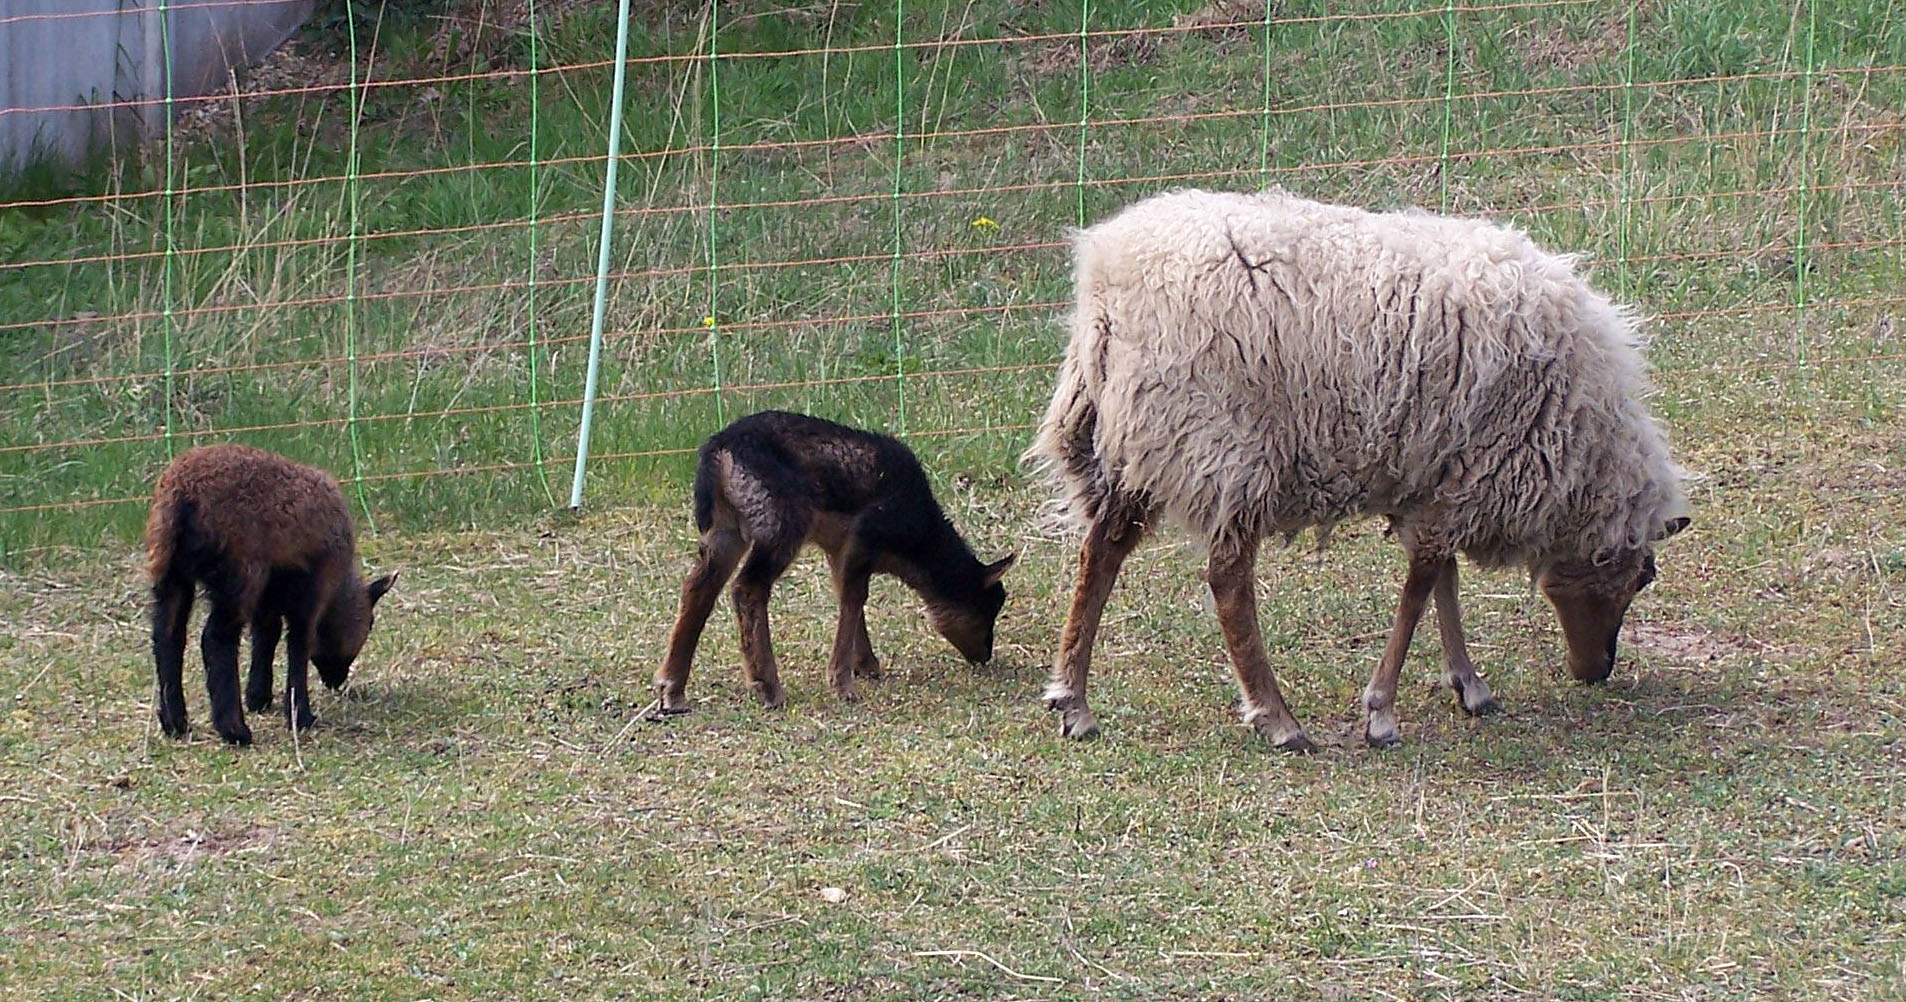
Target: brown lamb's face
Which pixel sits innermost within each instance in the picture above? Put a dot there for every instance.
(342, 633)
(1591, 600)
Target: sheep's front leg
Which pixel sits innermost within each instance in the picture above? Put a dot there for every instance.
(298, 715)
(864, 664)
(265, 628)
(850, 634)
(1379, 698)
(1233, 579)
(1459, 673)
(218, 645)
(1111, 539)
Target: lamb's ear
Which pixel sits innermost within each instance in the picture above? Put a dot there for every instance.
(1674, 525)
(998, 568)
(382, 585)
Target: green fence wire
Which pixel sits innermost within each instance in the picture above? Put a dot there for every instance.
(862, 212)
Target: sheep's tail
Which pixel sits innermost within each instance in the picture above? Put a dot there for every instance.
(1065, 449)
(705, 485)
(163, 529)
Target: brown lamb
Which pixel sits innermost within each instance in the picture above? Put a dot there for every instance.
(272, 544)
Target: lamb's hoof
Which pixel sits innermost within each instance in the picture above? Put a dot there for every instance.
(1483, 709)
(1298, 744)
(771, 694)
(1381, 739)
(258, 702)
(239, 735)
(306, 721)
(666, 704)
(1078, 723)
(869, 669)
(174, 725)
(849, 693)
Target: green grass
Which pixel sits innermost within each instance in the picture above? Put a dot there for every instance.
(480, 818)
(484, 814)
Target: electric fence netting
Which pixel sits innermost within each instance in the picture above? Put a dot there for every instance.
(462, 250)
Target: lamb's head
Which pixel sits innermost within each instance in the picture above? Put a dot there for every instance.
(346, 625)
(1591, 597)
(966, 618)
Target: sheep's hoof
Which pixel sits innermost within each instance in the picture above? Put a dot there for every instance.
(1290, 737)
(173, 725)
(306, 721)
(1382, 739)
(239, 735)
(868, 668)
(1078, 723)
(849, 693)
(770, 693)
(1298, 744)
(666, 704)
(258, 702)
(1473, 694)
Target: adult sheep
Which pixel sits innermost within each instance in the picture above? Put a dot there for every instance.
(1250, 365)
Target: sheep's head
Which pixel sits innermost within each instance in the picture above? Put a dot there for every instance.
(967, 622)
(345, 626)
(1591, 599)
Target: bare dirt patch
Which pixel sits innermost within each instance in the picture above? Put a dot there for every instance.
(1563, 47)
(1686, 643)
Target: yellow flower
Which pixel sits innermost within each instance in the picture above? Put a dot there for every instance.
(708, 321)
(983, 223)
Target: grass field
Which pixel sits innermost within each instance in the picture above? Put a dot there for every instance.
(483, 816)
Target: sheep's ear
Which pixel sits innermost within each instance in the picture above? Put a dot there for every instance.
(1674, 525)
(382, 585)
(998, 568)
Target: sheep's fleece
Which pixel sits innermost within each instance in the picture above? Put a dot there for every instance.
(1261, 364)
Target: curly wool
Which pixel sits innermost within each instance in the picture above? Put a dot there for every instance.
(1262, 364)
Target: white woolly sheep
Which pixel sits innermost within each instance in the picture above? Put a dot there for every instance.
(1250, 365)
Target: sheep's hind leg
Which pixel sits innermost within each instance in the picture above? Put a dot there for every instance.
(171, 614)
(1112, 537)
(1233, 581)
(766, 562)
(1379, 697)
(722, 548)
(1459, 673)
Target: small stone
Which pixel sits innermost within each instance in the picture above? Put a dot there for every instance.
(833, 895)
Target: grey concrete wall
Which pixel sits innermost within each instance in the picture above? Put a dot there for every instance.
(76, 75)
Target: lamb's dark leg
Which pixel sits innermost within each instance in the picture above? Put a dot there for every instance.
(722, 548)
(863, 663)
(851, 647)
(300, 623)
(1459, 673)
(218, 645)
(766, 562)
(1379, 698)
(171, 613)
(1110, 540)
(1233, 580)
(265, 626)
